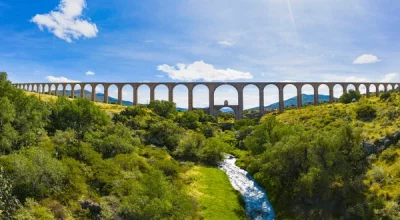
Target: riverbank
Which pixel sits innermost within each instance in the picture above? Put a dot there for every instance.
(214, 193)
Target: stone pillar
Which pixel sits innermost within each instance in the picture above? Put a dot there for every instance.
(331, 94)
(211, 90)
(93, 98)
(82, 90)
(367, 91)
(73, 91)
(190, 98)
(316, 101)
(281, 102)
(357, 86)
(49, 86)
(385, 87)
(240, 102)
(152, 93)
(135, 96)
(43, 89)
(171, 93)
(106, 93)
(56, 89)
(261, 101)
(299, 97)
(64, 90)
(119, 95)
(377, 90)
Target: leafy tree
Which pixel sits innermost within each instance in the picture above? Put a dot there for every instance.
(8, 202)
(385, 95)
(164, 134)
(212, 152)
(365, 112)
(190, 146)
(350, 96)
(189, 120)
(80, 114)
(33, 210)
(8, 135)
(113, 140)
(163, 108)
(35, 174)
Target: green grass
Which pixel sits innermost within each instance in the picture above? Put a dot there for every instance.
(216, 197)
(109, 108)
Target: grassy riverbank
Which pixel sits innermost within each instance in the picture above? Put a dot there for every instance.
(215, 195)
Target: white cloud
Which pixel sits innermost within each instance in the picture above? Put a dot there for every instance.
(200, 70)
(160, 76)
(226, 43)
(366, 58)
(90, 73)
(66, 21)
(356, 79)
(60, 79)
(390, 77)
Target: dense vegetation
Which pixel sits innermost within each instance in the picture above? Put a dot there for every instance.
(69, 159)
(312, 164)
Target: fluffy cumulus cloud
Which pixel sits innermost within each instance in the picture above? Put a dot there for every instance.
(391, 77)
(90, 73)
(366, 58)
(66, 22)
(356, 79)
(200, 70)
(60, 79)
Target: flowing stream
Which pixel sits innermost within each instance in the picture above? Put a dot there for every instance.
(257, 204)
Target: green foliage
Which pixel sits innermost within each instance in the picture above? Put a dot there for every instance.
(304, 172)
(113, 140)
(365, 112)
(8, 202)
(35, 174)
(164, 134)
(80, 115)
(350, 96)
(385, 96)
(32, 210)
(212, 152)
(163, 108)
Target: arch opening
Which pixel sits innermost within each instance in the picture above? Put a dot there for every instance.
(200, 97)
(181, 97)
(225, 93)
(271, 98)
(127, 95)
(323, 94)
(251, 98)
(226, 115)
(337, 91)
(143, 94)
(99, 93)
(113, 94)
(161, 92)
(289, 96)
(363, 89)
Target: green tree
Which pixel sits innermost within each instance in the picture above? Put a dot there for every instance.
(350, 96)
(80, 114)
(8, 202)
(163, 108)
(365, 112)
(164, 133)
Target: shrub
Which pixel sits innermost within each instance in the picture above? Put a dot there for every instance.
(350, 96)
(385, 96)
(163, 108)
(365, 112)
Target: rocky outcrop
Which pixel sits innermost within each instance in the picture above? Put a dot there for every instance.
(381, 145)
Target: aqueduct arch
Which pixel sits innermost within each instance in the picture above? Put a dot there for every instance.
(212, 87)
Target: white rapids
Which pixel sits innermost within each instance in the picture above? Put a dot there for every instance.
(257, 204)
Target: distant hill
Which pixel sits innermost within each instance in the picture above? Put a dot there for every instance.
(293, 101)
(100, 98)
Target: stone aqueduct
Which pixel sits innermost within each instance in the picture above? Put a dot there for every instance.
(212, 86)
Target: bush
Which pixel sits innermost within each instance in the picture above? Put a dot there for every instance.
(163, 108)
(349, 97)
(212, 151)
(385, 95)
(365, 112)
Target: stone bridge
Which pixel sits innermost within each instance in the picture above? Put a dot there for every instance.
(212, 86)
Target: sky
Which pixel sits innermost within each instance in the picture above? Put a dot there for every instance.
(200, 40)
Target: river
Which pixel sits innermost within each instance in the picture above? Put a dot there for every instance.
(257, 204)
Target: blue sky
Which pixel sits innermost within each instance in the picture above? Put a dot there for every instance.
(200, 40)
